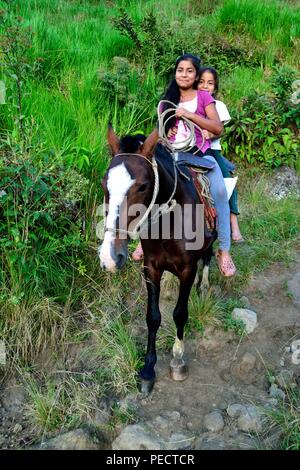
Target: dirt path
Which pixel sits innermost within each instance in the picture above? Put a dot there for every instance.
(225, 370)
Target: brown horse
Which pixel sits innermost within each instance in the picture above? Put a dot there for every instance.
(144, 173)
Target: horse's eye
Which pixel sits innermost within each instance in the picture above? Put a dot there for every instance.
(142, 188)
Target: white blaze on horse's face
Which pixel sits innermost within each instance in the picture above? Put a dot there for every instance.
(119, 182)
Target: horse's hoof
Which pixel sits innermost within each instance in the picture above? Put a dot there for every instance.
(146, 386)
(178, 371)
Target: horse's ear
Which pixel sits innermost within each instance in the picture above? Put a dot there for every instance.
(149, 144)
(113, 140)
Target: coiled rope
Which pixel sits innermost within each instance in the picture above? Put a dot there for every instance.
(186, 145)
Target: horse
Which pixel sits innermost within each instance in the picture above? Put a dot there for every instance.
(143, 172)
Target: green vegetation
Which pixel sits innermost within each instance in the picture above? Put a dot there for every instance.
(70, 67)
(285, 420)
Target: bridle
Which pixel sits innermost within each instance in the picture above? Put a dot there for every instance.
(162, 209)
(171, 203)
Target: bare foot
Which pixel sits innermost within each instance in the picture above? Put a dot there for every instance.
(235, 229)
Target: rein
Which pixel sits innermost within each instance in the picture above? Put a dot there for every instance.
(163, 209)
(187, 145)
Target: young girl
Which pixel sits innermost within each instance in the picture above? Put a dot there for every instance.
(209, 81)
(199, 107)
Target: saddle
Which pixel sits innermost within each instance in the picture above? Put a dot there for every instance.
(197, 166)
(205, 199)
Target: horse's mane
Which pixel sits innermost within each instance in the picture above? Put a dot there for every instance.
(131, 143)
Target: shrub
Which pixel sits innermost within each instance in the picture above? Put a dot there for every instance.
(263, 129)
(39, 223)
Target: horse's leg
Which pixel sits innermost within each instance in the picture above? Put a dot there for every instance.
(147, 374)
(178, 367)
(204, 285)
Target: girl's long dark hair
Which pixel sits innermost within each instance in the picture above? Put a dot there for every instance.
(214, 74)
(172, 93)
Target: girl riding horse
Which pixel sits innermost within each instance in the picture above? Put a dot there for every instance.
(199, 107)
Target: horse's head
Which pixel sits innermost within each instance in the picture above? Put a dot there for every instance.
(128, 183)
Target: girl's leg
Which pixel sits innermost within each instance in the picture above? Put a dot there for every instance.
(233, 201)
(234, 211)
(219, 194)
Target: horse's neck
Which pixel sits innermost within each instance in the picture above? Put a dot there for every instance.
(166, 184)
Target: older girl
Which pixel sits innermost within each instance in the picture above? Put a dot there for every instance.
(199, 106)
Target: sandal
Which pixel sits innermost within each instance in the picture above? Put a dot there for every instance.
(138, 253)
(225, 264)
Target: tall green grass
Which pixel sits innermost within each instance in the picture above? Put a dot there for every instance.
(264, 20)
(241, 82)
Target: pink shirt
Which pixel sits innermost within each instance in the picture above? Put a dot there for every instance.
(203, 99)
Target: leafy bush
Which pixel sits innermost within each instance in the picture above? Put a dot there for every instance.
(263, 129)
(161, 41)
(39, 224)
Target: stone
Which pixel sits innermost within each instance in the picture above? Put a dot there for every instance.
(294, 288)
(248, 317)
(295, 346)
(222, 405)
(285, 183)
(214, 421)
(235, 410)
(13, 396)
(101, 417)
(276, 392)
(179, 441)
(210, 443)
(272, 403)
(221, 442)
(161, 423)
(247, 362)
(285, 378)
(136, 437)
(173, 416)
(73, 440)
(128, 403)
(17, 428)
(245, 301)
(250, 420)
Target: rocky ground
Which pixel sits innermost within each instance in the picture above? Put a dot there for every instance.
(232, 382)
(222, 405)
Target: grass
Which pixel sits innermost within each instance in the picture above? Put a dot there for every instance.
(59, 405)
(265, 20)
(241, 82)
(270, 227)
(285, 420)
(67, 108)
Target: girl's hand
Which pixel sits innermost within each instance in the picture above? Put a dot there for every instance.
(172, 132)
(207, 134)
(181, 112)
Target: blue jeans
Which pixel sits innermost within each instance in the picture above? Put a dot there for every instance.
(219, 194)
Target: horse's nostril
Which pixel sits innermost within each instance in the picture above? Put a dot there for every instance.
(121, 259)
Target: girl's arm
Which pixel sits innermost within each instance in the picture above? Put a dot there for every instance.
(212, 123)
